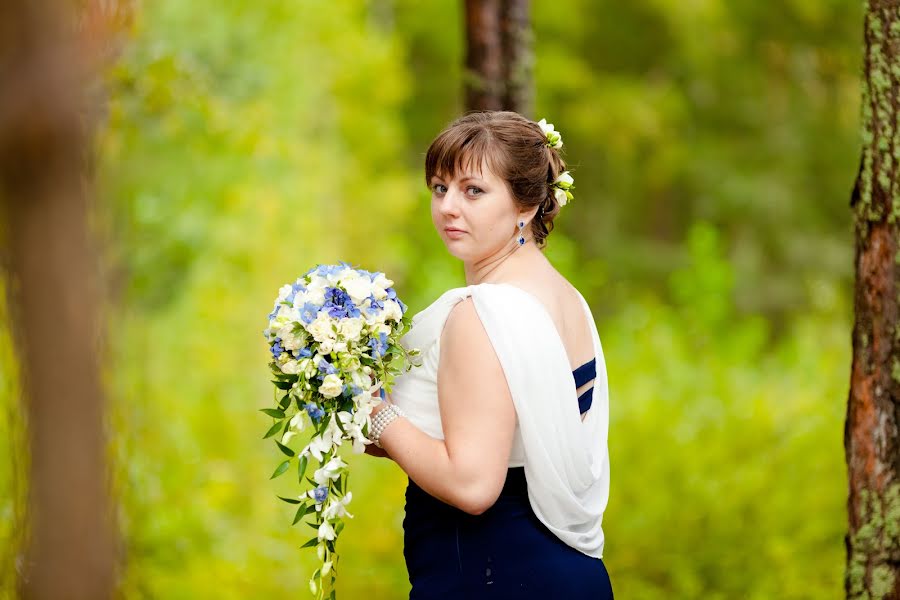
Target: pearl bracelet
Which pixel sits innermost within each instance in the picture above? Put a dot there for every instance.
(380, 422)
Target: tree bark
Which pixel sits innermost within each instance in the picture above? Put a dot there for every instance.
(54, 300)
(499, 56)
(872, 428)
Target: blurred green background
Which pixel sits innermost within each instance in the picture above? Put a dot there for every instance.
(714, 146)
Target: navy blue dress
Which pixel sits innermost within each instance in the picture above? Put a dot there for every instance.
(505, 552)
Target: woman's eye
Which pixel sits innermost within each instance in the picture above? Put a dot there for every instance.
(436, 187)
(477, 191)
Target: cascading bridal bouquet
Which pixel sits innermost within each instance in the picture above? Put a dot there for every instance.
(334, 337)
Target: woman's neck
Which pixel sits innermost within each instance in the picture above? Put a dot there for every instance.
(509, 264)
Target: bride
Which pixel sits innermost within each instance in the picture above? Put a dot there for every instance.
(503, 428)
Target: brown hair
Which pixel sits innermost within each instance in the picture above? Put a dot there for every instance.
(514, 148)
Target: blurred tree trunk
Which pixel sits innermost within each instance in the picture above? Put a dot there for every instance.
(499, 56)
(54, 297)
(872, 429)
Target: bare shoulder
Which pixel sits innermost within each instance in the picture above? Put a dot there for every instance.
(464, 340)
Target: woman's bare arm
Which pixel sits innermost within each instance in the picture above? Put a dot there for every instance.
(467, 469)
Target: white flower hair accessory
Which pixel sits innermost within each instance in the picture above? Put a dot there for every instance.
(563, 184)
(554, 139)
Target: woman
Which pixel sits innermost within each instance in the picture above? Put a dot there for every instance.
(502, 429)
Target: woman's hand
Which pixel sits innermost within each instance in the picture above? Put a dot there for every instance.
(373, 450)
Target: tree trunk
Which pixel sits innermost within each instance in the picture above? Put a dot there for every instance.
(871, 434)
(54, 300)
(499, 56)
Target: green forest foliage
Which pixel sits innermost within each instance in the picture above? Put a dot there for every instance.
(714, 147)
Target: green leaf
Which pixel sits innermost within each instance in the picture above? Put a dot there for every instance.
(283, 385)
(281, 469)
(338, 528)
(287, 425)
(301, 511)
(284, 448)
(285, 402)
(314, 526)
(276, 413)
(309, 509)
(290, 500)
(338, 486)
(273, 430)
(311, 543)
(301, 467)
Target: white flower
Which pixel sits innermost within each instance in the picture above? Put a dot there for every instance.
(330, 471)
(380, 285)
(358, 287)
(297, 421)
(564, 180)
(392, 311)
(291, 367)
(338, 508)
(332, 386)
(326, 531)
(560, 196)
(287, 436)
(283, 292)
(554, 139)
(322, 328)
(350, 328)
(331, 438)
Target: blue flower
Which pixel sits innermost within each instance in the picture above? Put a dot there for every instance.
(277, 348)
(308, 312)
(315, 413)
(326, 270)
(274, 311)
(391, 293)
(374, 304)
(339, 304)
(320, 493)
(378, 345)
(304, 353)
(295, 288)
(326, 367)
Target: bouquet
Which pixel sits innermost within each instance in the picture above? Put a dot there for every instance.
(334, 338)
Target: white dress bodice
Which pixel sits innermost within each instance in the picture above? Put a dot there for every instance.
(565, 458)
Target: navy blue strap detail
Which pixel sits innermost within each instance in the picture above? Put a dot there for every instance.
(584, 401)
(585, 372)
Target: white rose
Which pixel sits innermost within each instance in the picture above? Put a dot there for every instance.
(322, 328)
(332, 386)
(327, 346)
(392, 311)
(351, 328)
(359, 288)
(284, 292)
(379, 286)
(565, 179)
(560, 196)
(291, 367)
(291, 341)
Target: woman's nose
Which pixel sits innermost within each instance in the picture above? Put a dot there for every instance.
(449, 204)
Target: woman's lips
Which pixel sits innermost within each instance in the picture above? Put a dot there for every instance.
(453, 233)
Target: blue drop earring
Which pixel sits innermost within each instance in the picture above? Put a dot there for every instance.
(521, 232)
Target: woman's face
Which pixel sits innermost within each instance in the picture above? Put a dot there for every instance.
(474, 214)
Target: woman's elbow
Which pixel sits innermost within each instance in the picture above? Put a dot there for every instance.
(478, 499)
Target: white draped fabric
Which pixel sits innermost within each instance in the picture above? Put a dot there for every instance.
(566, 459)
